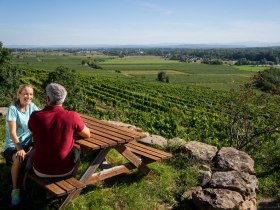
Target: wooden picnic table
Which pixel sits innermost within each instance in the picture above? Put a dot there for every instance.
(104, 137)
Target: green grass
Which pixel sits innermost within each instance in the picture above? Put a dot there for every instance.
(251, 68)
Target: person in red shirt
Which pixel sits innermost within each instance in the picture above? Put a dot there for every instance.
(53, 130)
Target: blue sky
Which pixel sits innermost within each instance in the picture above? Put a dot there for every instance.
(83, 22)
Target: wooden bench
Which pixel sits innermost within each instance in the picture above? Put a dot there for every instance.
(56, 187)
(146, 153)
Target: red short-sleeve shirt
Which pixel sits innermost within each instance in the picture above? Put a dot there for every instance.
(53, 130)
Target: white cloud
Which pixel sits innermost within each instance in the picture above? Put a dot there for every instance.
(154, 8)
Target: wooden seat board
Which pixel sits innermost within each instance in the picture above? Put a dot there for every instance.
(136, 151)
(63, 184)
(75, 182)
(53, 188)
(148, 148)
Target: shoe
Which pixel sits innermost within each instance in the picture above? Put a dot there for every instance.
(15, 197)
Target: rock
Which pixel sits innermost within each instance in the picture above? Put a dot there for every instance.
(189, 192)
(241, 182)
(126, 125)
(217, 199)
(233, 183)
(249, 205)
(204, 167)
(3, 111)
(204, 177)
(202, 152)
(176, 142)
(229, 158)
(154, 139)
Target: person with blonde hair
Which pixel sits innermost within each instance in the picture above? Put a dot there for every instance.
(18, 141)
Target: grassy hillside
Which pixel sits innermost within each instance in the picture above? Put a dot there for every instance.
(192, 106)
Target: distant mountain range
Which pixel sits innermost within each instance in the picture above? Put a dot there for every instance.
(163, 45)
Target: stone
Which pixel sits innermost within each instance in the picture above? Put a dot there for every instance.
(204, 153)
(217, 199)
(204, 177)
(241, 182)
(249, 205)
(188, 194)
(3, 111)
(154, 139)
(229, 158)
(176, 142)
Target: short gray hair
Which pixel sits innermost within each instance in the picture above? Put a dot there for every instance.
(57, 93)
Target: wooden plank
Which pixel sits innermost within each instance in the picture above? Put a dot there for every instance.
(141, 135)
(47, 184)
(142, 147)
(78, 185)
(108, 173)
(93, 125)
(75, 182)
(103, 139)
(118, 140)
(87, 144)
(113, 134)
(63, 184)
(145, 152)
(133, 159)
(94, 164)
(87, 174)
(97, 142)
(153, 157)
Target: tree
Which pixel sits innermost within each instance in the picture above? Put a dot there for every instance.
(268, 80)
(67, 78)
(252, 119)
(162, 77)
(4, 54)
(9, 77)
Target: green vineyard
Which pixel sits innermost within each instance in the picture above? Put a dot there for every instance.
(169, 110)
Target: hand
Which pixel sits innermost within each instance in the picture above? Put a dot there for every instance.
(20, 155)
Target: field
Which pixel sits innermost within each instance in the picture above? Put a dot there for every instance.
(142, 68)
(191, 106)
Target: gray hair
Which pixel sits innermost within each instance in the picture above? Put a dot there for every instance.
(57, 93)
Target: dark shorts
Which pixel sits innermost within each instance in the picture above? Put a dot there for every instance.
(9, 152)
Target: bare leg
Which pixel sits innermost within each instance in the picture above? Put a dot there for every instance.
(15, 172)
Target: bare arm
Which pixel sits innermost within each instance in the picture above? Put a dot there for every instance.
(85, 132)
(13, 134)
(20, 151)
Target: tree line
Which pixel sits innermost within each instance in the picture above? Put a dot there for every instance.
(242, 56)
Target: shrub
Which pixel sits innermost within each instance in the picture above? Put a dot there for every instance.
(268, 80)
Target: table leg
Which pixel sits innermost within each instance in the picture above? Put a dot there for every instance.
(87, 174)
(134, 159)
